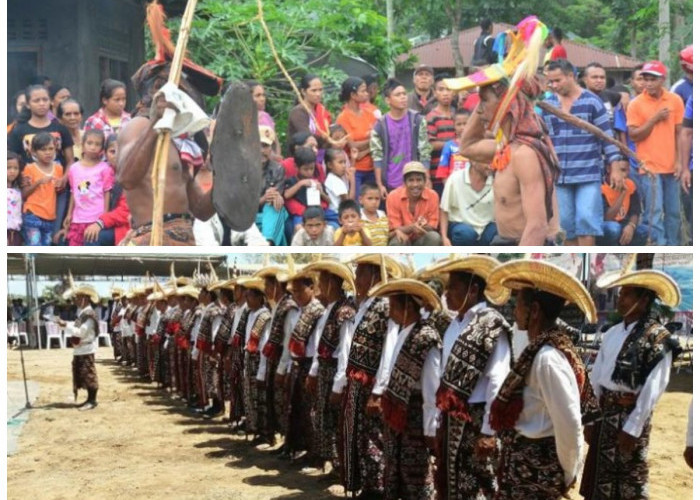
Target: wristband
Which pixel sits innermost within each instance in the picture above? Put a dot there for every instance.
(100, 223)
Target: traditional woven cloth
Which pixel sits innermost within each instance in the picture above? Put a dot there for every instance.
(237, 365)
(641, 351)
(608, 475)
(275, 396)
(252, 398)
(169, 365)
(273, 347)
(206, 366)
(367, 342)
(409, 472)
(157, 341)
(362, 458)
(467, 361)
(310, 314)
(406, 374)
(530, 469)
(84, 372)
(440, 320)
(325, 415)
(176, 232)
(506, 408)
(140, 329)
(460, 476)
(300, 434)
(343, 310)
(221, 346)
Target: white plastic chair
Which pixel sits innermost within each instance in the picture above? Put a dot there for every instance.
(104, 334)
(53, 332)
(14, 333)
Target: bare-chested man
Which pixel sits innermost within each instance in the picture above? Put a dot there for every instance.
(524, 198)
(184, 197)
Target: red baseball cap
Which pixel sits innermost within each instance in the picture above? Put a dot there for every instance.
(655, 68)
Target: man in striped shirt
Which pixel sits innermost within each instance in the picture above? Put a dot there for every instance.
(582, 156)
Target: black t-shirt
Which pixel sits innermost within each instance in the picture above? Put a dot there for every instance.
(20, 140)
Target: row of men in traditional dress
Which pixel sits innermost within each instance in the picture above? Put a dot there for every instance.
(409, 394)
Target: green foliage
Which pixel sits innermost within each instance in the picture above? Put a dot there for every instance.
(228, 38)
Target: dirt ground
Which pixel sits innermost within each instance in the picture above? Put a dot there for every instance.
(140, 443)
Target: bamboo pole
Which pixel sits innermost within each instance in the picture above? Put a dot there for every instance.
(160, 159)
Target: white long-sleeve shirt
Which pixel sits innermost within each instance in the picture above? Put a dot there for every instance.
(236, 319)
(488, 385)
(290, 322)
(153, 323)
(551, 407)
(429, 382)
(345, 328)
(124, 324)
(345, 342)
(87, 333)
(381, 380)
(647, 396)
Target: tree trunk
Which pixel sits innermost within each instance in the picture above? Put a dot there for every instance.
(664, 31)
(455, 14)
(390, 34)
(633, 40)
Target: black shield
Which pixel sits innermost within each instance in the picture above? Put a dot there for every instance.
(236, 159)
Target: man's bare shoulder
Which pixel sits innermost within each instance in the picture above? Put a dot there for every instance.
(522, 158)
(134, 127)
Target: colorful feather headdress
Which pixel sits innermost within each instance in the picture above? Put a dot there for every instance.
(201, 78)
(519, 65)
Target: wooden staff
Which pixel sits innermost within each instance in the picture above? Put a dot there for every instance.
(160, 159)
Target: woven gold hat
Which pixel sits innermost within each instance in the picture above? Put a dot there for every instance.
(658, 282)
(188, 290)
(393, 267)
(540, 275)
(285, 275)
(481, 265)
(118, 292)
(425, 295)
(252, 283)
(267, 270)
(336, 268)
(158, 292)
(87, 290)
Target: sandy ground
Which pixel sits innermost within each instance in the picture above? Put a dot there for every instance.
(140, 443)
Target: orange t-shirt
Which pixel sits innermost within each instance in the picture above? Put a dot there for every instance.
(399, 215)
(611, 196)
(42, 202)
(359, 128)
(658, 150)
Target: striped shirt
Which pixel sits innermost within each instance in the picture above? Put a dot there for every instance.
(581, 153)
(441, 128)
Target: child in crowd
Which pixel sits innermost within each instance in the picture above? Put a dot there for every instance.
(303, 188)
(350, 233)
(41, 181)
(112, 226)
(340, 180)
(450, 159)
(91, 181)
(315, 232)
(14, 200)
(622, 213)
(441, 128)
(374, 220)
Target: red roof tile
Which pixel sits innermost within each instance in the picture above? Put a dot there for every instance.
(438, 53)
